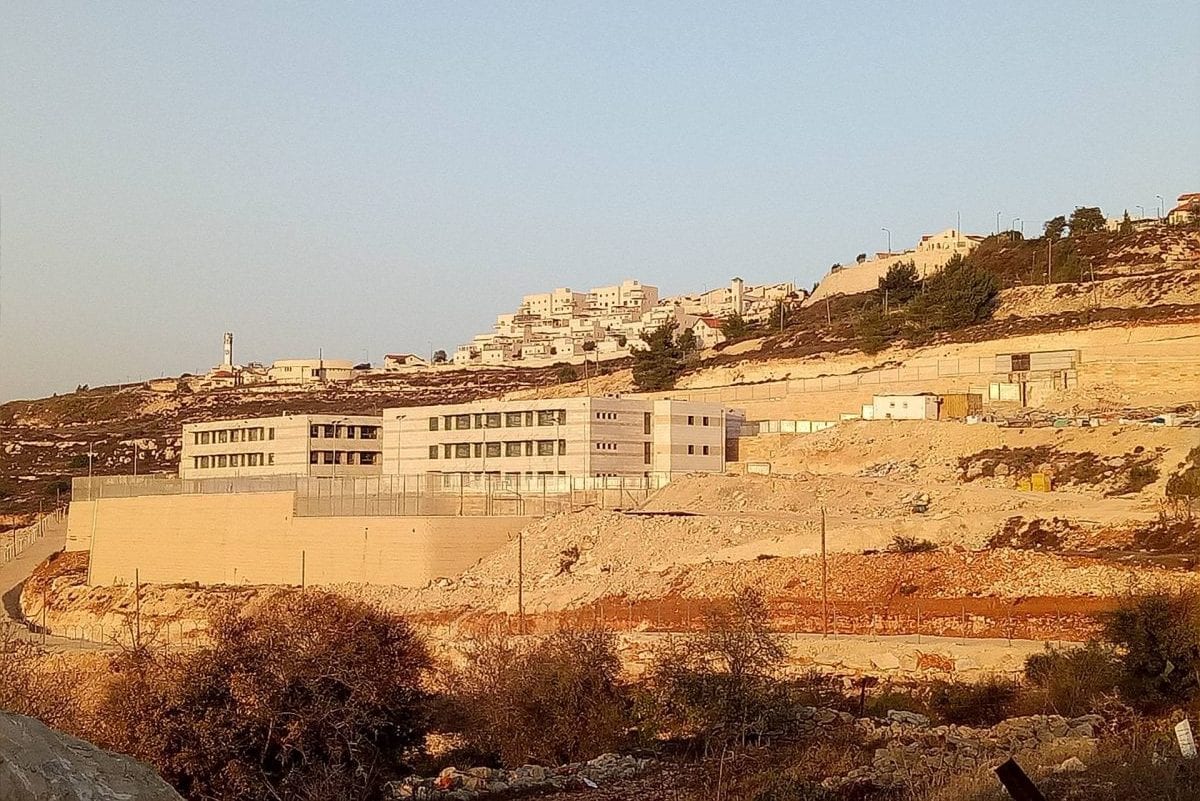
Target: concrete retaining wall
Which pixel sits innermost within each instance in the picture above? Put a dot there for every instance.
(255, 539)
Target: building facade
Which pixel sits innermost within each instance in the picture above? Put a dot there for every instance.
(304, 444)
(307, 371)
(596, 437)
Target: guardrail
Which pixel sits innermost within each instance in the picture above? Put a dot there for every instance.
(13, 543)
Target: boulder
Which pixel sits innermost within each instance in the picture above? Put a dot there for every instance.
(39, 763)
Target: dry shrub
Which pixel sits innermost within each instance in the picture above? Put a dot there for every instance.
(1158, 636)
(1074, 681)
(312, 696)
(721, 687)
(548, 700)
(982, 703)
(36, 683)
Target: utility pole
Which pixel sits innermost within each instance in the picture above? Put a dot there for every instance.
(824, 581)
(521, 581)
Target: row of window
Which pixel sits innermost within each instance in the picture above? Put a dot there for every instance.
(223, 435)
(233, 460)
(494, 450)
(334, 431)
(692, 450)
(704, 421)
(542, 417)
(343, 457)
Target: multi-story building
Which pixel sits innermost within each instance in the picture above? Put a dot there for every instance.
(584, 436)
(302, 444)
(305, 371)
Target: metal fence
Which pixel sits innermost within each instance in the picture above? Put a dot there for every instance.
(448, 494)
(13, 543)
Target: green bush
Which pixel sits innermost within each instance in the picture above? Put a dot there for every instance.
(1158, 637)
(1074, 680)
(658, 365)
(904, 544)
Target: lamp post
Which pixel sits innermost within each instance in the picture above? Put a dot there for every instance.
(1161, 205)
(997, 223)
(1014, 226)
(1141, 211)
(889, 239)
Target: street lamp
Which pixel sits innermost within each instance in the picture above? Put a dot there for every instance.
(1161, 205)
(1014, 227)
(997, 223)
(1141, 211)
(889, 239)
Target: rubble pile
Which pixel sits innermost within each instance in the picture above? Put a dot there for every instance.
(460, 785)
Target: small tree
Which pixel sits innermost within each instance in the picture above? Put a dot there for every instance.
(1158, 636)
(687, 342)
(439, 357)
(589, 346)
(961, 294)
(658, 365)
(1126, 226)
(1086, 219)
(308, 696)
(1055, 227)
(860, 258)
(902, 283)
(735, 327)
(566, 374)
(557, 700)
(875, 330)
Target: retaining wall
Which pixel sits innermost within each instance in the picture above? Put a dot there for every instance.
(256, 539)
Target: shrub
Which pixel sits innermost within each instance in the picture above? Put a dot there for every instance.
(658, 365)
(961, 294)
(555, 700)
(566, 374)
(1158, 636)
(1073, 679)
(875, 330)
(903, 544)
(721, 686)
(310, 696)
(982, 703)
(37, 684)
(1137, 479)
(901, 283)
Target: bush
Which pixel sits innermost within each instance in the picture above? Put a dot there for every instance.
(1073, 680)
(901, 283)
(721, 687)
(658, 365)
(961, 294)
(1158, 636)
(903, 544)
(309, 697)
(566, 374)
(983, 703)
(557, 700)
(875, 330)
(37, 684)
(1137, 479)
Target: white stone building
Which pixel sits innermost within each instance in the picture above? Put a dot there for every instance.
(302, 444)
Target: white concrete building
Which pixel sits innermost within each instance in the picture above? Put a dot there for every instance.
(302, 444)
(921, 406)
(584, 436)
(307, 371)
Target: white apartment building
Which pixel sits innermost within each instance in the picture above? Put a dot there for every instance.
(583, 436)
(306, 371)
(302, 444)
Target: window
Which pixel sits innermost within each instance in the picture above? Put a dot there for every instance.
(704, 421)
(350, 432)
(462, 450)
(493, 450)
(562, 447)
(367, 457)
(529, 447)
(646, 452)
(491, 420)
(433, 449)
(691, 420)
(433, 426)
(330, 431)
(646, 422)
(314, 431)
(205, 437)
(478, 448)
(222, 460)
(547, 417)
(478, 420)
(545, 447)
(512, 449)
(252, 434)
(704, 450)
(271, 435)
(314, 457)
(513, 419)
(369, 432)
(462, 421)
(204, 462)
(271, 456)
(222, 436)
(691, 449)
(447, 450)
(196, 438)
(529, 418)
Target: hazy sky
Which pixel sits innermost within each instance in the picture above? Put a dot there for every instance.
(372, 177)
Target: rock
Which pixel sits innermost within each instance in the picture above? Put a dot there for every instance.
(39, 763)
(885, 661)
(1001, 470)
(964, 663)
(1071, 765)
(911, 718)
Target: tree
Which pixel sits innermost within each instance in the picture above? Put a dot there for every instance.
(439, 357)
(687, 342)
(566, 374)
(1086, 219)
(308, 696)
(1126, 226)
(961, 294)
(901, 283)
(1158, 637)
(1054, 228)
(860, 258)
(589, 346)
(735, 327)
(875, 330)
(658, 365)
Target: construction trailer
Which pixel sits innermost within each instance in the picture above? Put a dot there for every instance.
(918, 406)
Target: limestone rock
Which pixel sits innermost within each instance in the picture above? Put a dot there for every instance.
(38, 763)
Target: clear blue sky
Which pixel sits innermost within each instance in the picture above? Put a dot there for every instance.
(370, 177)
